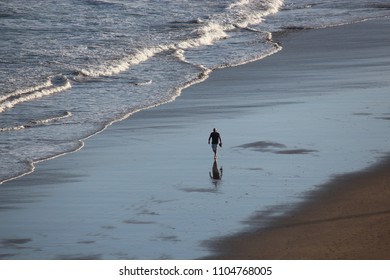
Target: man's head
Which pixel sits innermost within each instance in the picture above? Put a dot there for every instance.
(214, 130)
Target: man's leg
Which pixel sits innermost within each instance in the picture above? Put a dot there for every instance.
(214, 146)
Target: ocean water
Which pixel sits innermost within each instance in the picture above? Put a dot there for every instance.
(70, 68)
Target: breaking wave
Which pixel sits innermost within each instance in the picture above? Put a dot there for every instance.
(37, 122)
(52, 86)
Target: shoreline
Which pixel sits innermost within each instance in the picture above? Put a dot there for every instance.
(130, 192)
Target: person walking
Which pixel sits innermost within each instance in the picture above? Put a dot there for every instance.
(216, 140)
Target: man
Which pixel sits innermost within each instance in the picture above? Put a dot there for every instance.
(215, 139)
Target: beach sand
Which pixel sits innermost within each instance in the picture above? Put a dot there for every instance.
(347, 219)
(290, 123)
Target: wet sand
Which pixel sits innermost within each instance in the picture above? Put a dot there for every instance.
(348, 218)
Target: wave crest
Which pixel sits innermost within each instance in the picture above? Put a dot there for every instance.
(52, 86)
(240, 14)
(37, 122)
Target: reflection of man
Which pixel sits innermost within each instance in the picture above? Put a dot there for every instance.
(215, 139)
(216, 173)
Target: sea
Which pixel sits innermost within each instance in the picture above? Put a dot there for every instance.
(70, 68)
